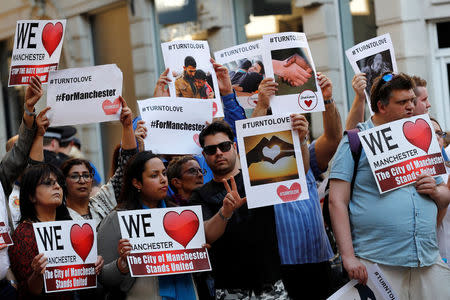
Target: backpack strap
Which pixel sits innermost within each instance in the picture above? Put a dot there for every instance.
(355, 148)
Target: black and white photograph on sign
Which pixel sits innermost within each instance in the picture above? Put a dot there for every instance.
(374, 66)
(270, 157)
(293, 71)
(246, 74)
(193, 81)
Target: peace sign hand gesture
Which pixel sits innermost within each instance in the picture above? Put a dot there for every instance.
(232, 200)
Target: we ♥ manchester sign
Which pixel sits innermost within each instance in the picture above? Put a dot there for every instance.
(84, 95)
(165, 240)
(71, 250)
(36, 51)
(400, 151)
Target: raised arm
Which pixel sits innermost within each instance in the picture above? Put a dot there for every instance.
(300, 124)
(37, 148)
(266, 90)
(356, 113)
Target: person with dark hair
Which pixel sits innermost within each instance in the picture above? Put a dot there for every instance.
(246, 81)
(185, 84)
(66, 142)
(375, 67)
(204, 90)
(184, 175)
(78, 174)
(396, 230)
(421, 104)
(236, 76)
(145, 186)
(41, 200)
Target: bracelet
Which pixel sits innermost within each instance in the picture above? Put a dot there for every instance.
(305, 141)
(31, 114)
(328, 101)
(223, 217)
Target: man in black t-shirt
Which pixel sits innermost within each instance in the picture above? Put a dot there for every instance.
(244, 251)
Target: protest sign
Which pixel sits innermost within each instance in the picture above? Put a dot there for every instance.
(84, 95)
(5, 238)
(175, 120)
(377, 287)
(245, 66)
(288, 60)
(373, 57)
(36, 51)
(71, 251)
(165, 240)
(399, 151)
(271, 160)
(192, 73)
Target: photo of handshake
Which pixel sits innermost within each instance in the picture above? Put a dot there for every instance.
(294, 70)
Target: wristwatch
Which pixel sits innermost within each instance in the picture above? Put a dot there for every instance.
(223, 217)
(30, 113)
(328, 101)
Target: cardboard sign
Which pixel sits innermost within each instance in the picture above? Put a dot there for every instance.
(289, 62)
(373, 57)
(271, 160)
(84, 95)
(246, 68)
(37, 48)
(192, 73)
(165, 240)
(5, 238)
(399, 151)
(71, 250)
(377, 287)
(174, 119)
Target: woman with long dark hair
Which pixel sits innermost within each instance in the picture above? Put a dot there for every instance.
(145, 186)
(42, 199)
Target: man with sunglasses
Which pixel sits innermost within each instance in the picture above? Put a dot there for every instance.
(396, 230)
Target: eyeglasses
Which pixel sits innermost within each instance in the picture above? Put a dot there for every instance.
(194, 171)
(49, 182)
(441, 134)
(76, 177)
(212, 149)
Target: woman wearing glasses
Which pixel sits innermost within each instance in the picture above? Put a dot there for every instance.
(185, 175)
(41, 200)
(79, 173)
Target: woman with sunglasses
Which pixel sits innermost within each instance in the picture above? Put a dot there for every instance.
(79, 173)
(145, 186)
(41, 200)
(184, 175)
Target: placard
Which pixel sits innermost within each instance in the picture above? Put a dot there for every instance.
(271, 160)
(71, 250)
(84, 95)
(377, 287)
(246, 68)
(165, 240)
(174, 124)
(373, 57)
(192, 73)
(400, 151)
(36, 51)
(289, 61)
(5, 237)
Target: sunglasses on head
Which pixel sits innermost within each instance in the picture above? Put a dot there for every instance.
(212, 149)
(387, 77)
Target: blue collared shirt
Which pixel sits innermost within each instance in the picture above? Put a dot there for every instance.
(300, 230)
(396, 228)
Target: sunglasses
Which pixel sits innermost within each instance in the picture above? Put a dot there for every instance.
(194, 171)
(49, 182)
(441, 134)
(212, 149)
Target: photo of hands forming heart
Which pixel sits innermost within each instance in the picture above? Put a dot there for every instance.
(270, 157)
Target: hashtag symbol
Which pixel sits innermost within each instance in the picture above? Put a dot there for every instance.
(170, 47)
(58, 98)
(244, 125)
(153, 124)
(271, 40)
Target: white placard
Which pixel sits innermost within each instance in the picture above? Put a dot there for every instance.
(178, 54)
(71, 250)
(373, 57)
(246, 68)
(36, 51)
(165, 240)
(271, 160)
(377, 287)
(84, 95)
(173, 124)
(289, 62)
(399, 151)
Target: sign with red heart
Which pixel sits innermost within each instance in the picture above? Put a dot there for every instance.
(398, 152)
(36, 51)
(165, 240)
(71, 250)
(289, 194)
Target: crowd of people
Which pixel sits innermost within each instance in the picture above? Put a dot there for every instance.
(273, 252)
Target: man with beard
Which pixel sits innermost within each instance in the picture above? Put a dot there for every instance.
(185, 84)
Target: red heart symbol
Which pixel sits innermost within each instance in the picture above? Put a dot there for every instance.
(82, 239)
(308, 102)
(418, 134)
(181, 227)
(51, 36)
(214, 108)
(110, 108)
(289, 194)
(196, 139)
